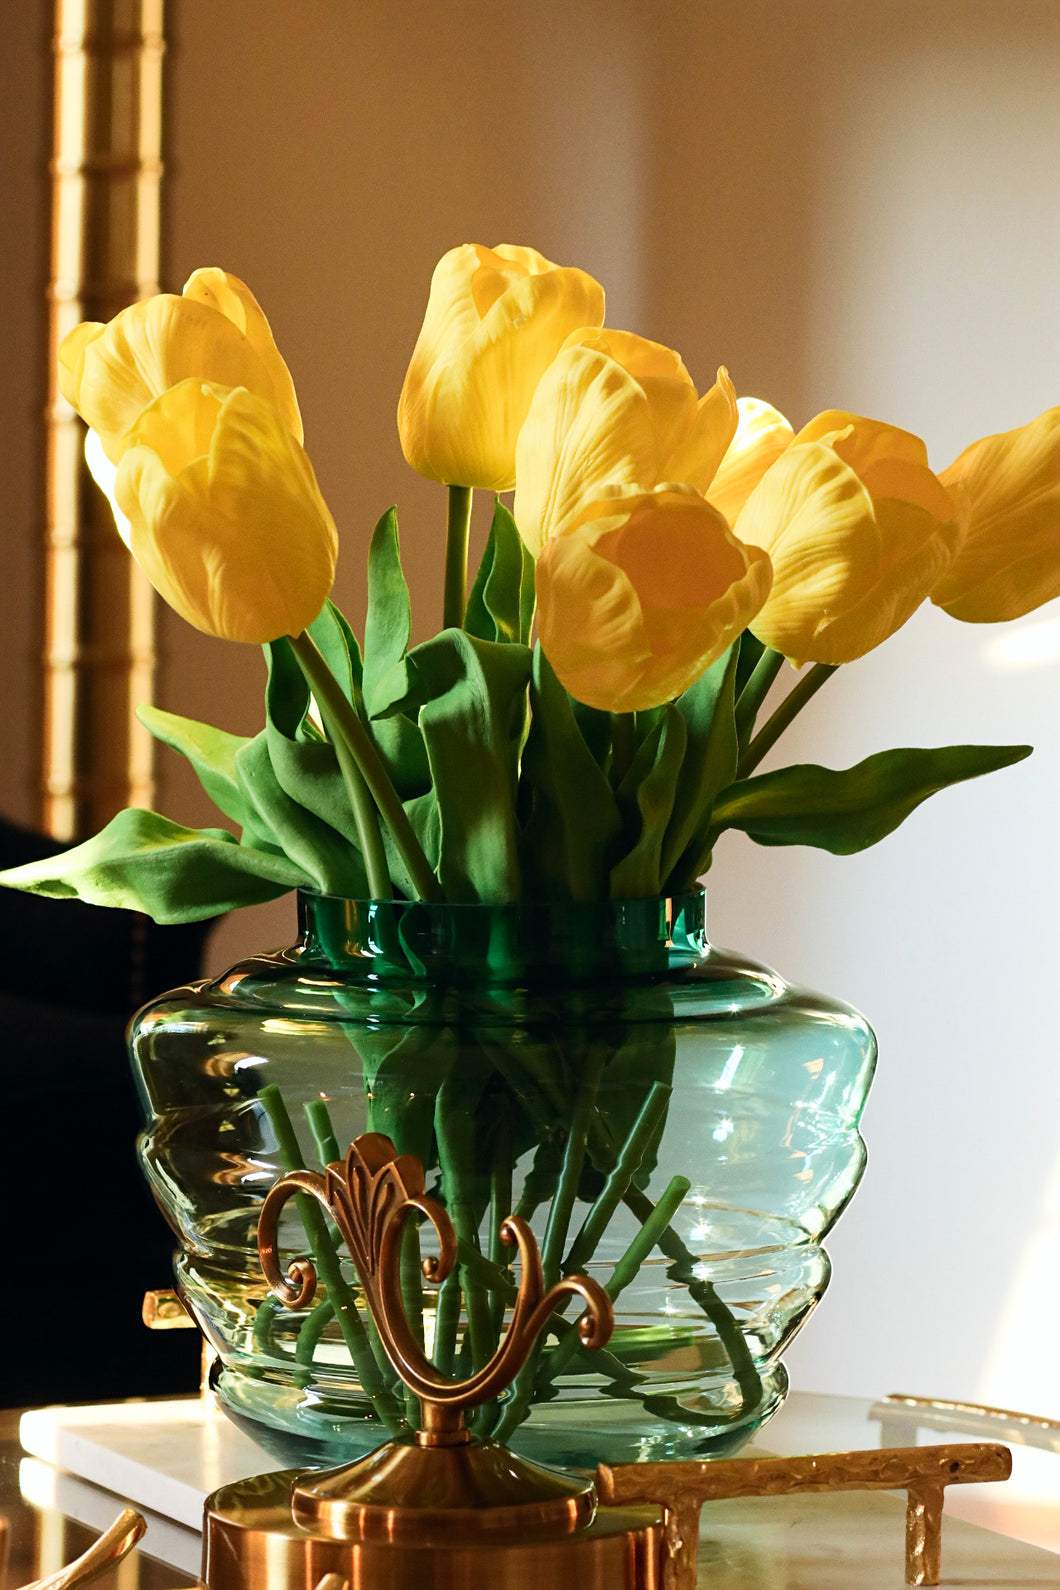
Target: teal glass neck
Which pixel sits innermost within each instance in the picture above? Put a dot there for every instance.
(557, 940)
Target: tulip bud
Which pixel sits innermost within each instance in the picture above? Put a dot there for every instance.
(214, 332)
(642, 593)
(614, 409)
(1009, 563)
(858, 529)
(225, 515)
(496, 318)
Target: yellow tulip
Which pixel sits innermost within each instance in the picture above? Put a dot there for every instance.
(614, 409)
(858, 530)
(643, 591)
(496, 318)
(215, 331)
(762, 434)
(224, 513)
(1010, 561)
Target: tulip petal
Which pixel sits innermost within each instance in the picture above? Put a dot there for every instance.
(588, 428)
(762, 435)
(813, 516)
(642, 594)
(239, 541)
(916, 551)
(147, 349)
(661, 375)
(868, 441)
(695, 461)
(1009, 563)
(103, 473)
(481, 353)
(889, 462)
(71, 354)
(232, 298)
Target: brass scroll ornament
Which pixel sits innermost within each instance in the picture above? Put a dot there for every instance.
(370, 1199)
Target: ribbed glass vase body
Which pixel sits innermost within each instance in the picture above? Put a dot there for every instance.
(673, 1120)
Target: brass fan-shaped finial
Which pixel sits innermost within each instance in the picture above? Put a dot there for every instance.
(370, 1198)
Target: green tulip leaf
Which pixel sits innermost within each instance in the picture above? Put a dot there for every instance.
(306, 769)
(646, 799)
(751, 651)
(471, 697)
(144, 862)
(388, 621)
(330, 861)
(848, 810)
(709, 711)
(493, 608)
(211, 752)
(338, 646)
(573, 824)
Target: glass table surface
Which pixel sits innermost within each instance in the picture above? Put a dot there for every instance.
(1002, 1536)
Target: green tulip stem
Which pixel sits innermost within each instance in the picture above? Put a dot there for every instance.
(324, 1140)
(618, 1181)
(791, 705)
(626, 1269)
(365, 816)
(454, 599)
(327, 1264)
(755, 692)
(703, 1294)
(500, 1208)
(348, 729)
(561, 1208)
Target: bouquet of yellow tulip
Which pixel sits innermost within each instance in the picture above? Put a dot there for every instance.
(673, 550)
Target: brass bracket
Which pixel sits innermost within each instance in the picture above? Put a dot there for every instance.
(922, 1472)
(163, 1311)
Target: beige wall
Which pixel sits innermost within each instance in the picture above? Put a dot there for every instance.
(847, 203)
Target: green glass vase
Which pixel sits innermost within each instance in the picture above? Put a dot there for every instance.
(674, 1120)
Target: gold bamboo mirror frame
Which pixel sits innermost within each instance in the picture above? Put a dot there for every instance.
(98, 654)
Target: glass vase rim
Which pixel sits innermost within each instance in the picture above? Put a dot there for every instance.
(624, 903)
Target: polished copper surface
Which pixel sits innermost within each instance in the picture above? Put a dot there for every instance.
(253, 1543)
(429, 1494)
(922, 1472)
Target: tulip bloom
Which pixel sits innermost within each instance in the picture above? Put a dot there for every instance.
(224, 513)
(496, 318)
(762, 434)
(1009, 563)
(215, 331)
(642, 593)
(859, 531)
(614, 409)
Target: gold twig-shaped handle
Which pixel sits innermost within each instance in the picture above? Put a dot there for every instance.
(114, 1544)
(922, 1472)
(370, 1198)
